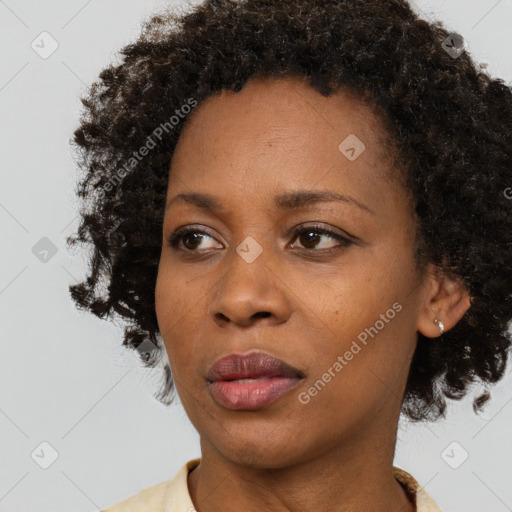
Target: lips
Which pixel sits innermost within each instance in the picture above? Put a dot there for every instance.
(251, 366)
(269, 378)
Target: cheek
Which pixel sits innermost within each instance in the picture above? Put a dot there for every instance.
(172, 295)
(363, 370)
(353, 301)
(163, 299)
(170, 307)
(180, 307)
(368, 317)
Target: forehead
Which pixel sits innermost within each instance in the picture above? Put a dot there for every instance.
(277, 104)
(280, 132)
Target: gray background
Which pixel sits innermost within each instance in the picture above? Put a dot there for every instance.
(64, 377)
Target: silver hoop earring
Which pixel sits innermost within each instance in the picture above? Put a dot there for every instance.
(439, 324)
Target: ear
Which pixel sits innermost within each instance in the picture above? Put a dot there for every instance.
(446, 299)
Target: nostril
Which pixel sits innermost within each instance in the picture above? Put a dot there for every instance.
(262, 314)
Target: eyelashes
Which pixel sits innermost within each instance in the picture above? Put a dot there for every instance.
(197, 235)
(319, 232)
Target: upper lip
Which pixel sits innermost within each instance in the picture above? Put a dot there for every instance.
(252, 365)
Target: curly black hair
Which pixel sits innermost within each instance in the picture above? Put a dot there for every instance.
(449, 122)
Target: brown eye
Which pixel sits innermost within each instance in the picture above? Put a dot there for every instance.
(191, 239)
(310, 237)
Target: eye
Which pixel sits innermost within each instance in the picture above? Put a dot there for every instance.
(309, 237)
(190, 236)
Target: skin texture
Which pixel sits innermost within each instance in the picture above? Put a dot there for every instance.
(296, 301)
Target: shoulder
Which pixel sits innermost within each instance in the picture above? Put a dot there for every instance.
(168, 496)
(418, 495)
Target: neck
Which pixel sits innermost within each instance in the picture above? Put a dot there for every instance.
(358, 475)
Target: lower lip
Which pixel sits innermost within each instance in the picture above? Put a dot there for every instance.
(256, 394)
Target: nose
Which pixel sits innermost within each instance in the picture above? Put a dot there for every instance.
(250, 292)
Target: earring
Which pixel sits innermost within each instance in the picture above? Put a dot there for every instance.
(439, 324)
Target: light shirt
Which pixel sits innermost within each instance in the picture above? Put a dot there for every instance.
(172, 495)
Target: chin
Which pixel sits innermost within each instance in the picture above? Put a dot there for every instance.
(260, 458)
(262, 451)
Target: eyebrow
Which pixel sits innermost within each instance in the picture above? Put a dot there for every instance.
(288, 201)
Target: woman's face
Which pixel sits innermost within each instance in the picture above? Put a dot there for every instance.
(245, 282)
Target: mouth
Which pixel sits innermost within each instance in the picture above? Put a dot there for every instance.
(251, 381)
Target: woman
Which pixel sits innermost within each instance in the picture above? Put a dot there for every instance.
(303, 205)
